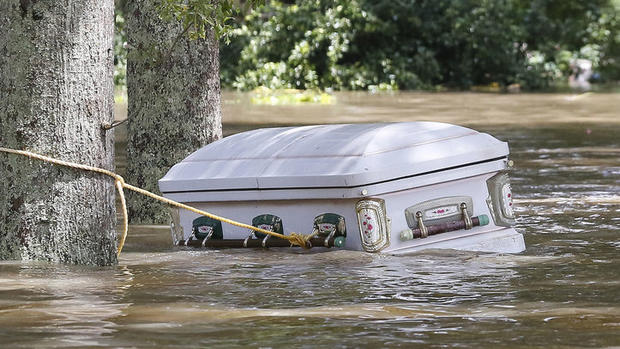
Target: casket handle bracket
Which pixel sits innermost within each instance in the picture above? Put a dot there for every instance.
(421, 225)
(466, 218)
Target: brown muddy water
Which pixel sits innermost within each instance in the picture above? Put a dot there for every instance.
(563, 291)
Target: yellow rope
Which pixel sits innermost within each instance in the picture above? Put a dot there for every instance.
(119, 182)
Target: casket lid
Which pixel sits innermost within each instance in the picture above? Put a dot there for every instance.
(328, 156)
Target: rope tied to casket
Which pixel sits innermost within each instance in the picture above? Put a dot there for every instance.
(294, 238)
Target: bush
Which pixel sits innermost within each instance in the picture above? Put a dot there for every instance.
(409, 44)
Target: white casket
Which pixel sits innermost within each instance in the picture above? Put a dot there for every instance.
(394, 187)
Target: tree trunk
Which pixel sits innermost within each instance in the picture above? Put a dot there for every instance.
(173, 90)
(55, 93)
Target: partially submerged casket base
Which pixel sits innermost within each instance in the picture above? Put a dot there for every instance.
(394, 188)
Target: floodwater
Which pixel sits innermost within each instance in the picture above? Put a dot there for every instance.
(563, 291)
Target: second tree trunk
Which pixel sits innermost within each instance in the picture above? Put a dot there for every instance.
(173, 89)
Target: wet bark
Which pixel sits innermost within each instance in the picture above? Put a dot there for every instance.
(173, 90)
(55, 93)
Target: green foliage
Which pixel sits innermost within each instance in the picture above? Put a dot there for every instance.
(292, 46)
(376, 45)
(562, 31)
(384, 45)
(198, 16)
(443, 42)
(420, 44)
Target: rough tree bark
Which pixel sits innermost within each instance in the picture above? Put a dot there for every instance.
(173, 90)
(55, 93)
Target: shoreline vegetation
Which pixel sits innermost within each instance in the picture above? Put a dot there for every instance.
(491, 108)
(266, 96)
(298, 52)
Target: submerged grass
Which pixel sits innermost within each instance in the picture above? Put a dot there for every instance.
(267, 96)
